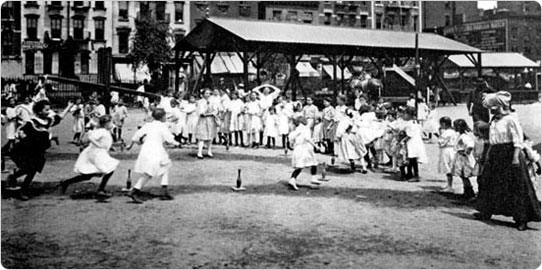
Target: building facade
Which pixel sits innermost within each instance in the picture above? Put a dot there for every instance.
(199, 10)
(501, 31)
(520, 7)
(440, 14)
(11, 39)
(389, 15)
(46, 26)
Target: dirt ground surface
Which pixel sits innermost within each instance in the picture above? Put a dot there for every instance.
(351, 221)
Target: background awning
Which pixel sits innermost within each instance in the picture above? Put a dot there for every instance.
(329, 71)
(306, 70)
(226, 63)
(495, 60)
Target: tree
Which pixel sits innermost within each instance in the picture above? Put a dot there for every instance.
(150, 46)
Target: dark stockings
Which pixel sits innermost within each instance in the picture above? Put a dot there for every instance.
(85, 177)
(297, 171)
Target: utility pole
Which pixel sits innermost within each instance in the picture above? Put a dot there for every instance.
(417, 82)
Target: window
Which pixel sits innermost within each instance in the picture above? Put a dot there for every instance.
(77, 3)
(244, 9)
(527, 50)
(277, 14)
(352, 20)
(179, 12)
(78, 26)
(32, 28)
(99, 25)
(160, 10)
(447, 20)
(404, 21)
(291, 16)
(378, 21)
(56, 3)
(123, 10)
(327, 20)
(56, 28)
(363, 21)
(99, 5)
(29, 62)
(123, 41)
(143, 7)
(84, 62)
(340, 19)
(7, 10)
(47, 63)
(447, 5)
(307, 17)
(7, 42)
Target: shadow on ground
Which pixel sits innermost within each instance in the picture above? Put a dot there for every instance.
(377, 197)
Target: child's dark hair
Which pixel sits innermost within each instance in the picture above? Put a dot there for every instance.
(38, 107)
(446, 121)
(158, 114)
(461, 126)
(272, 109)
(103, 120)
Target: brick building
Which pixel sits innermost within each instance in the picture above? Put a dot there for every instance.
(440, 14)
(231, 9)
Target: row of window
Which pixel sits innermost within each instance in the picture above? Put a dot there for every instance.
(48, 63)
(159, 9)
(56, 28)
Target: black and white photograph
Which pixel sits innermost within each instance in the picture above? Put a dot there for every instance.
(270, 135)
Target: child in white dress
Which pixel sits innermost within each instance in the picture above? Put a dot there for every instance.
(153, 160)
(415, 148)
(284, 112)
(431, 125)
(236, 126)
(95, 160)
(303, 155)
(254, 124)
(10, 116)
(78, 120)
(191, 117)
(271, 130)
(446, 142)
(464, 159)
(120, 113)
(350, 145)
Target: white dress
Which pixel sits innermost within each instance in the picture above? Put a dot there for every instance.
(351, 145)
(431, 125)
(153, 160)
(78, 118)
(191, 117)
(254, 112)
(11, 116)
(284, 114)
(447, 141)
(415, 146)
(271, 126)
(95, 159)
(464, 164)
(303, 155)
(174, 124)
(182, 117)
(235, 108)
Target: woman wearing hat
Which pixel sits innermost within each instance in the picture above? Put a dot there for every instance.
(504, 186)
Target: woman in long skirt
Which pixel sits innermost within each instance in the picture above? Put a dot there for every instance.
(504, 185)
(95, 160)
(206, 129)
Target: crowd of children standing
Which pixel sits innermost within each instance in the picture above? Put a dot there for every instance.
(369, 134)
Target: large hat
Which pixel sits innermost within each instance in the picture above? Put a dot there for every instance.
(500, 99)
